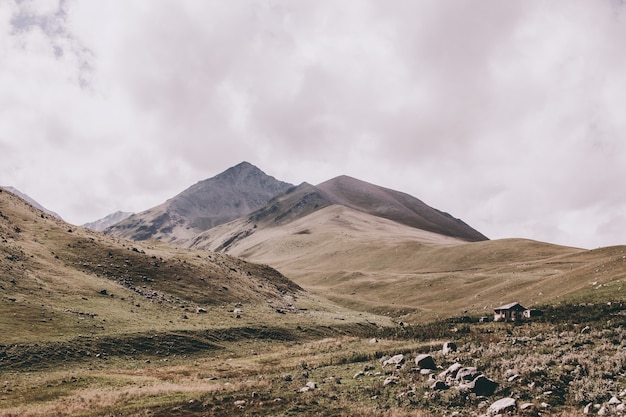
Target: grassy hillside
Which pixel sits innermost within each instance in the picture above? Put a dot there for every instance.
(377, 265)
(59, 282)
(94, 326)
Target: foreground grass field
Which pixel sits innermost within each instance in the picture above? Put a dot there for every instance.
(575, 356)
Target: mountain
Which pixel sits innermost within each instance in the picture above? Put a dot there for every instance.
(108, 221)
(31, 201)
(378, 250)
(236, 192)
(352, 195)
(396, 206)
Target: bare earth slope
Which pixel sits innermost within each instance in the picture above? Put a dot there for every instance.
(227, 196)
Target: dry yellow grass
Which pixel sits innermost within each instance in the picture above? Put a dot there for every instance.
(368, 263)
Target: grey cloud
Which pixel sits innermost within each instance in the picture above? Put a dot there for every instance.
(506, 114)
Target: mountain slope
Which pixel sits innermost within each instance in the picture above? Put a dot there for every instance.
(347, 253)
(227, 196)
(399, 207)
(107, 221)
(58, 281)
(305, 200)
(31, 201)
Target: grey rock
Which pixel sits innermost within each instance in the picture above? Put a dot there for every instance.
(467, 373)
(503, 405)
(394, 360)
(481, 386)
(449, 347)
(425, 361)
(439, 386)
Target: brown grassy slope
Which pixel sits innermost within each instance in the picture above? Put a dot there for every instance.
(57, 281)
(365, 262)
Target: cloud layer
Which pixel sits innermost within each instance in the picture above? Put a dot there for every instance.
(509, 115)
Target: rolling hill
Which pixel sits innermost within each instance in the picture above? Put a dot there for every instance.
(370, 263)
(58, 281)
(233, 193)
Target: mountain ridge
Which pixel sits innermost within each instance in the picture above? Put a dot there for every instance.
(31, 201)
(107, 221)
(208, 203)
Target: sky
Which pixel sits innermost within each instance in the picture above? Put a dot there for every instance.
(510, 115)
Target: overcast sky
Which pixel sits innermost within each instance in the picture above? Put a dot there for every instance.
(510, 115)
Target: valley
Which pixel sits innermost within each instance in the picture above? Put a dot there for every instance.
(292, 305)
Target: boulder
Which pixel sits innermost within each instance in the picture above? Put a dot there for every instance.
(481, 385)
(451, 371)
(467, 373)
(439, 386)
(503, 405)
(425, 361)
(394, 360)
(614, 401)
(449, 347)
(392, 380)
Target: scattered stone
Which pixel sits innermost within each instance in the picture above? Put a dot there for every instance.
(426, 372)
(358, 374)
(390, 380)
(288, 378)
(240, 403)
(481, 386)
(587, 408)
(449, 347)
(425, 361)
(585, 329)
(394, 360)
(513, 377)
(502, 406)
(373, 340)
(451, 371)
(439, 386)
(614, 401)
(526, 406)
(467, 373)
(200, 310)
(311, 385)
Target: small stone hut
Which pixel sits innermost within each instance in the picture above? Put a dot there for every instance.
(512, 312)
